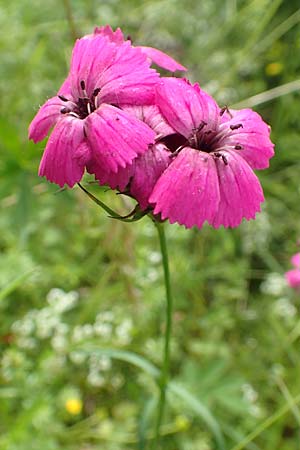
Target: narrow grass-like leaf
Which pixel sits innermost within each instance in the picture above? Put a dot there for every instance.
(200, 409)
(14, 284)
(266, 424)
(173, 388)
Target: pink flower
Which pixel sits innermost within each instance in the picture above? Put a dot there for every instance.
(293, 278)
(160, 58)
(210, 177)
(295, 260)
(138, 179)
(90, 128)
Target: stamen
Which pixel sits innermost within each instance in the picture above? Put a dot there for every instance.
(223, 157)
(63, 98)
(96, 92)
(236, 127)
(238, 147)
(225, 109)
(65, 110)
(178, 150)
(202, 125)
(74, 115)
(225, 160)
(82, 85)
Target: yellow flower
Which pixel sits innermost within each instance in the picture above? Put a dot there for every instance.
(182, 422)
(73, 406)
(273, 69)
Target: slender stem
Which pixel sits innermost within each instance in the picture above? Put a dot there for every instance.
(165, 373)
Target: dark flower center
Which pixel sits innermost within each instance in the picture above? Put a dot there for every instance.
(208, 140)
(84, 106)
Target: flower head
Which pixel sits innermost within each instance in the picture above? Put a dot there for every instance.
(73, 406)
(90, 128)
(210, 177)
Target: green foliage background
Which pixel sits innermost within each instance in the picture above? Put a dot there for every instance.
(235, 350)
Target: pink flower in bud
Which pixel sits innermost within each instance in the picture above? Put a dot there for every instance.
(210, 177)
(138, 179)
(156, 56)
(90, 128)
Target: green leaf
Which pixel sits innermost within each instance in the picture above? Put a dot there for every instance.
(14, 284)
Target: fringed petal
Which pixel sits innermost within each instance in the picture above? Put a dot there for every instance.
(66, 153)
(188, 191)
(116, 137)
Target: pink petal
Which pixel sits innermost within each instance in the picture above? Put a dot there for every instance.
(295, 260)
(254, 137)
(147, 170)
(45, 118)
(65, 88)
(162, 59)
(240, 191)
(116, 137)
(188, 190)
(128, 80)
(118, 180)
(152, 117)
(293, 278)
(90, 58)
(114, 36)
(66, 153)
(185, 106)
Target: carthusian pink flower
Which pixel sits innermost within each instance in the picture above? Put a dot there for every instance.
(293, 276)
(160, 58)
(295, 260)
(210, 177)
(90, 129)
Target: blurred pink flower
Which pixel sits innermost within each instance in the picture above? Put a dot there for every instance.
(210, 177)
(295, 260)
(160, 58)
(138, 178)
(293, 278)
(90, 128)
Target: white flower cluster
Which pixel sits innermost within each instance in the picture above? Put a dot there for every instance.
(46, 323)
(274, 284)
(251, 396)
(49, 324)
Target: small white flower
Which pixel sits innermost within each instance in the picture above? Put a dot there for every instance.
(274, 284)
(95, 379)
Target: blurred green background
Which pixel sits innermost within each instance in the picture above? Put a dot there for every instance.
(79, 291)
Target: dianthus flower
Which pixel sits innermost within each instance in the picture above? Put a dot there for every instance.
(138, 179)
(90, 128)
(293, 276)
(210, 177)
(160, 58)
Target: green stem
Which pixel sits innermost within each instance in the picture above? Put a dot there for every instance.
(165, 373)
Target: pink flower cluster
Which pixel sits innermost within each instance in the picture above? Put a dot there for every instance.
(293, 276)
(160, 140)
